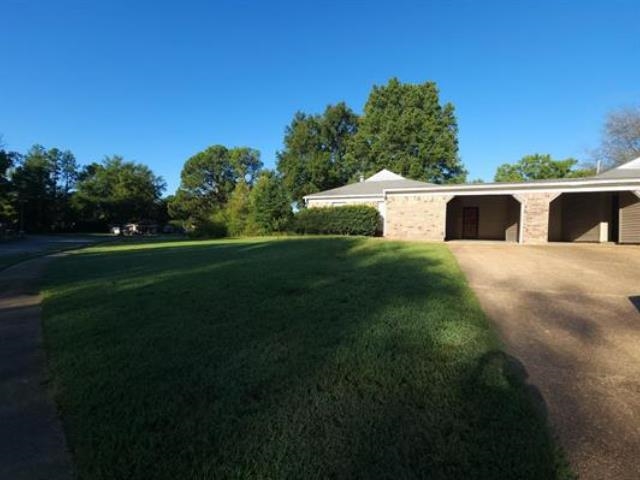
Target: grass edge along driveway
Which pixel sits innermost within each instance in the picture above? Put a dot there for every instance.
(285, 358)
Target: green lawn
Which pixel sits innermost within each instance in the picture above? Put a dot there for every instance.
(287, 358)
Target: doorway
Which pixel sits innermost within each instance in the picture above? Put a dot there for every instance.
(470, 222)
(614, 225)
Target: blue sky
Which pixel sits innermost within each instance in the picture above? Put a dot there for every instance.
(158, 81)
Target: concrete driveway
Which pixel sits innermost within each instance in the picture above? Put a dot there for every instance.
(571, 314)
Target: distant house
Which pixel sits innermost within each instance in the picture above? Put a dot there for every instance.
(140, 228)
(603, 208)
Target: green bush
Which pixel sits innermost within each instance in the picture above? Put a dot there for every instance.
(212, 227)
(345, 220)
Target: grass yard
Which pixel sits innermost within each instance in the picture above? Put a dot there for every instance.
(288, 358)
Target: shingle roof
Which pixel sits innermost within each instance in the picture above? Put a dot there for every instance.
(372, 186)
(626, 170)
(621, 173)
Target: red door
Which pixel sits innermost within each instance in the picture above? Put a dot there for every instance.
(470, 218)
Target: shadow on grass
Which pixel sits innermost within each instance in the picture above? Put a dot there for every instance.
(293, 358)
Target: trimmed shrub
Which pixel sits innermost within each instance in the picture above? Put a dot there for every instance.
(344, 220)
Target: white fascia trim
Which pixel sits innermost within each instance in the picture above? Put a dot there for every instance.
(510, 189)
(343, 197)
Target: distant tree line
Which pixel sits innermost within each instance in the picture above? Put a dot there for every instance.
(541, 167)
(46, 190)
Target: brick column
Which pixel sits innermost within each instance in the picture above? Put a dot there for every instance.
(535, 216)
(417, 217)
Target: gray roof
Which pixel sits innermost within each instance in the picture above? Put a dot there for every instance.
(385, 180)
(630, 169)
(369, 188)
(621, 173)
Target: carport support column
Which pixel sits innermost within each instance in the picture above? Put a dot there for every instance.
(534, 218)
(417, 216)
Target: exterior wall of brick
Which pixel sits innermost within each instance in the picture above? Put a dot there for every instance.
(423, 216)
(416, 217)
(535, 221)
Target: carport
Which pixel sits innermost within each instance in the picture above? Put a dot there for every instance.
(595, 217)
(483, 217)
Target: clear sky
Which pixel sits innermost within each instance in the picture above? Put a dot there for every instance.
(158, 81)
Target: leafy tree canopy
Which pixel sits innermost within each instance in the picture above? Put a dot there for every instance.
(540, 167)
(43, 181)
(405, 129)
(270, 204)
(238, 211)
(8, 160)
(314, 151)
(208, 179)
(117, 191)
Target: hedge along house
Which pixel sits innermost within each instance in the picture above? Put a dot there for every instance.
(604, 208)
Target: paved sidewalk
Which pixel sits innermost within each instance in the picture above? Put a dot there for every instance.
(570, 314)
(32, 444)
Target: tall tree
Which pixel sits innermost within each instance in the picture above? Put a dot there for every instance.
(270, 204)
(43, 181)
(237, 211)
(540, 167)
(117, 191)
(68, 171)
(405, 128)
(314, 151)
(35, 183)
(208, 179)
(8, 214)
(65, 171)
(621, 137)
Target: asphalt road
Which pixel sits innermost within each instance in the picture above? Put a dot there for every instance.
(36, 244)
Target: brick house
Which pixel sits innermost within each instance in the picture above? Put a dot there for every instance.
(603, 208)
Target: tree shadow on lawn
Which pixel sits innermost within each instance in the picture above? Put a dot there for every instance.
(296, 358)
